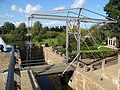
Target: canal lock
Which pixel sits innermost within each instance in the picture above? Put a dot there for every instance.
(49, 82)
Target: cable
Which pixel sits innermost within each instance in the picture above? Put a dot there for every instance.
(86, 45)
(89, 48)
(94, 41)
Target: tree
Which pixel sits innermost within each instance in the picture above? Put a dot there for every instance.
(62, 40)
(45, 29)
(8, 27)
(1, 30)
(20, 32)
(37, 31)
(112, 9)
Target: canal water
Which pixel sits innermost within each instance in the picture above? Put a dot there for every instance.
(49, 82)
(53, 82)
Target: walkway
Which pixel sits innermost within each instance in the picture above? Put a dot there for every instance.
(49, 69)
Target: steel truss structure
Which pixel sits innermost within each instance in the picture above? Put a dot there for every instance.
(72, 19)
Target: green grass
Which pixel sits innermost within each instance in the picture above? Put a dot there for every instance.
(50, 41)
(102, 49)
(105, 49)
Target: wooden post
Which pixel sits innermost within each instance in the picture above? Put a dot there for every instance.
(108, 42)
(55, 51)
(59, 53)
(91, 67)
(85, 68)
(103, 64)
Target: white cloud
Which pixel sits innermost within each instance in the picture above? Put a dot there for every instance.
(53, 23)
(6, 16)
(14, 7)
(78, 4)
(28, 10)
(17, 9)
(59, 8)
(32, 9)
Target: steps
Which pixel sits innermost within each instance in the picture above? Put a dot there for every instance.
(33, 59)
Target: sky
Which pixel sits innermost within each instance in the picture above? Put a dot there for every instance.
(17, 11)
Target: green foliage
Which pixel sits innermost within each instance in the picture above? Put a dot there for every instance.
(72, 43)
(10, 38)
(38, 38)
(37, 31)
(11, 33)
(58, 29)
(7, 27)
(45, 29)
(37, 27)
(112, 9)
(22, 30)
(50, 34)
(62, 40)
(51, 42)
(100, 32)
(19, 32)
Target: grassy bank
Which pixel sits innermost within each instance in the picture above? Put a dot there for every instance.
(50, 42)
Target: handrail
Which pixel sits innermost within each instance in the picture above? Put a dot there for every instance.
(70, 63)
(10, 77)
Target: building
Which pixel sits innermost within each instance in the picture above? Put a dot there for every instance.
(113, 42)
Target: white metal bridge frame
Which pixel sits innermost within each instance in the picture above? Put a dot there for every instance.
(72, 21)
(75, 21)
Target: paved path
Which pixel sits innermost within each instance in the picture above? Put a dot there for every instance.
(2, 83)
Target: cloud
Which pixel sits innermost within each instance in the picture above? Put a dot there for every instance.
(78, 4)
(28, 10)
(53, 23)
(59, 8)
(17, 9)
(4, 16)
(32, 9)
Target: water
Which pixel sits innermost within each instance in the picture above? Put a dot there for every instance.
(52, 82)
(45, 83)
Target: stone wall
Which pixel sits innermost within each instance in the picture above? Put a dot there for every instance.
(89, 81)
(83, 79)
(52, 56)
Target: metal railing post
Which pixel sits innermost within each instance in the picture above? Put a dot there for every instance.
(10, 77)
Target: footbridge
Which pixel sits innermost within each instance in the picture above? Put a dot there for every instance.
(49, 69)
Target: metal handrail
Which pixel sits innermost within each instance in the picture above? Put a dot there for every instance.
(10, 77)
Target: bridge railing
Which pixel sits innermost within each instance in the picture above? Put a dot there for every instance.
(10, 77)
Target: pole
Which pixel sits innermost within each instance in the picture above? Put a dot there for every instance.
(79, 36)
(10, 77)
(67, 37)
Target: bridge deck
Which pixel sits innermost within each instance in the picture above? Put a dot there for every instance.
(49, 69)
